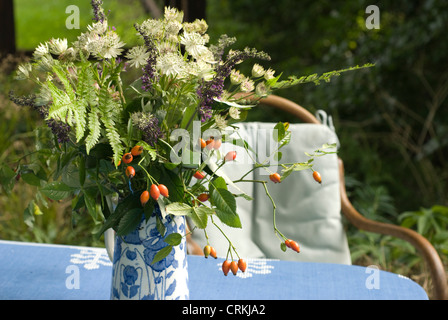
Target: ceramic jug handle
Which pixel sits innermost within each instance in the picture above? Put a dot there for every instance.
(109, 241)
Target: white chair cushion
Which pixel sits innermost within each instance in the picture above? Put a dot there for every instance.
(307, 212)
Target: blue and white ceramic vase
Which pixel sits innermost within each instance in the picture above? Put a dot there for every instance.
(135, 278)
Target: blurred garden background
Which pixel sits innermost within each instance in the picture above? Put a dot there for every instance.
(392, 120)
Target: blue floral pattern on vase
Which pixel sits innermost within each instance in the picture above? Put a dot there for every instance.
(133, 275)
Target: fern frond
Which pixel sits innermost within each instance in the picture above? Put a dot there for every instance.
(80, 114)
(60, 107)
(94, 131)
(114, 138)
(61, 74)
(85, 86)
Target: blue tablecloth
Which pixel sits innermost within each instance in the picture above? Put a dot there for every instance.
(59, 272)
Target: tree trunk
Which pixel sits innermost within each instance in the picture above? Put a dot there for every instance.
(193, 9)
(8, 39)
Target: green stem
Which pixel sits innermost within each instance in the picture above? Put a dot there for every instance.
(230, 242)
(277, 231)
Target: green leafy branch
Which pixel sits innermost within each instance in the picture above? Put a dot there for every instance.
(315, 78)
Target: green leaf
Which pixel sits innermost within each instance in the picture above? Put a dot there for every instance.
(286, 139)
(218, 182)
(130, 221)
(130, 202)
(89, 199)
(151, 151)
(178, 209)
(230, 219)
(173, 239)
(57, 190)
(199, 215)
(173, 182)
(223, 200)
(279, 132)
(162, 254)
(82, 169)
(30, 178)
(160, 226)
(283, 246)
(7, 176)
(148, 209)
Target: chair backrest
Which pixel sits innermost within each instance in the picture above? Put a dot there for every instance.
(306, 211)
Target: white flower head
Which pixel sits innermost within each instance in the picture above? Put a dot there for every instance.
(172, 14)
(41, 50)
(58, 46)
(152, 28)
(23, 71)
(46, 63)
(234, 113)
(258, 71)
(105, 47)
(99, 27)
(261, 89)
(269, 74)
(201, 69)
(137, 56)
(199, 26)
(220, 121)
(194, 44)
(247, 85)
(171, 64)
(166, 46)
(172, 27)
(236, 77)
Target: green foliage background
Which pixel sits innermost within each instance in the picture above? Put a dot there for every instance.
(391, 119)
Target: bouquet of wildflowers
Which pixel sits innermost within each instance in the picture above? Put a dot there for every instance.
(115, 139)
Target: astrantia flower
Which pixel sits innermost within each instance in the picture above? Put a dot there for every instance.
(173, 14)
(112, 45)
(23, 71)
(105, 47)
(220, 121)
(41, 50)
(201, 69)
(137, 56)
(46, 63)
(199, 26)
(171, 64)
(194, 43)
(99, 27)
(236, 77)
(57, 46)
(151, 28)
(269, 74)
(261, 89)
(247, 85)
(173, 28)
(257, 71)
(234, 112)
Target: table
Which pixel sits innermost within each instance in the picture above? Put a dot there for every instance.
(30, 271)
